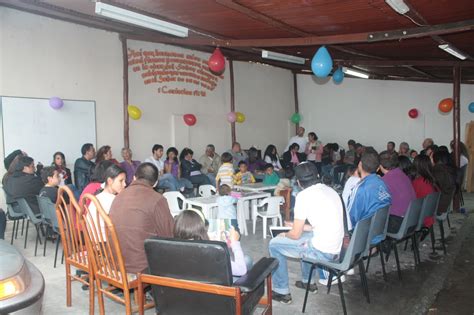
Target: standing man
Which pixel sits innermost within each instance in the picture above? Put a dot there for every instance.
(322, 239)
(300, 139)
(210, 161)
(84, 166)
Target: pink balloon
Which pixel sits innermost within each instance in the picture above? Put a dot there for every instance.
(231, 117)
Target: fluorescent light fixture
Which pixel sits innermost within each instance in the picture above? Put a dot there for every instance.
(282, 57)
(453, 51)
(398, 5)
(355, 73)
(138, 19)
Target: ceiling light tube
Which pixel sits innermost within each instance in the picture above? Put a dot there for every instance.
(138, 19)
(453, 51)
(282, 57)
(398, 5)
(355, 73)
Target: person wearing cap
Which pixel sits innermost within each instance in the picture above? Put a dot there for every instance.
(322, 239)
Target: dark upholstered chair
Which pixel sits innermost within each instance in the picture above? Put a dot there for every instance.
(194, 277)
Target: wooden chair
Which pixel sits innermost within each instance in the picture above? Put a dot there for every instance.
(106, 257)
(74, 247)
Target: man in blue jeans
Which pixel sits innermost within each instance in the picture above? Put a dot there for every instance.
(322, 239)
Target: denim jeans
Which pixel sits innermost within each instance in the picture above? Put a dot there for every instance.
(168, 181)
(282, 248)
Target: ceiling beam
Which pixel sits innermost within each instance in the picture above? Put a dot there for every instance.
(404, 63)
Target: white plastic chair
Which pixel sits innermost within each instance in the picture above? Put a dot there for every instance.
(273, 211)
(207, 190)
(173, 197)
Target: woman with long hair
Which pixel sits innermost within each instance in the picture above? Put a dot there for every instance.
(105, 153)
(271, 156)
(59, 162)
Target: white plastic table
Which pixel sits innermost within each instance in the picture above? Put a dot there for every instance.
(255, 187)
(208, 206)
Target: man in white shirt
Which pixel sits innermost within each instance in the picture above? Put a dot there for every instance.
(322, 207)
(300, 139)
(165, 181)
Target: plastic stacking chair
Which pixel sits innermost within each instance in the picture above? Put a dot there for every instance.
(428, 210)
(48, 210)
(378, 229)
(35, 219)
(444, 216)
(15, 214)
(207, 190)
(407, 231)
(353, 256)
(105, 256)
(75, 252)
(273, 211)
(174, 198)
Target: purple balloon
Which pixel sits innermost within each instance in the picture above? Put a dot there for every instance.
(231, 117)
(56, 102)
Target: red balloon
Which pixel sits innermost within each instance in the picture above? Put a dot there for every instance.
(217, 62)
(189, 119)
(446, 105)
(413, 113)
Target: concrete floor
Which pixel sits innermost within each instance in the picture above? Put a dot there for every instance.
(415, 294)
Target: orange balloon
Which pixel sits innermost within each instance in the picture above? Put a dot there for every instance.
(446, 105)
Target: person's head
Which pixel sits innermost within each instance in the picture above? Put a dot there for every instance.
(172, 154)
(427, 142)
(294, 147)
(127, 154)
(226, 157)
(413, 154)
(268, 169)
(190, 225)
(431, 149)
(441, 157)
(26, 165)
(224, 190)
(306, 174)
(369, 163)
(271, 152)
(186, 154)
(157, 151)
(359, 148)
(115, 178)
(390, 146)
(388, 160)
(312, 136)
(335, 147)
(147, 173)
(253, 154)
(59, 160)
(300, 132)
(236, 147)
(88, 151)
(210, 150)
(327, 180)
(98, 175)
(351, 144)
(243, 166)
(104, 153)
(404, 148)
(7, 162)
(50, 176)
(405, 165)
(424, 168)
(352, 171)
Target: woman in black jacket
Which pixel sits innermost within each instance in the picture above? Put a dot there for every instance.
(292, 157)
(191, 169)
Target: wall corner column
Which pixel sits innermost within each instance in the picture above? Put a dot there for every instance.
(126, 126)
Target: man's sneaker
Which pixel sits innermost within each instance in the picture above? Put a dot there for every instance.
(334, 281)
(313, 288)
(282, 298)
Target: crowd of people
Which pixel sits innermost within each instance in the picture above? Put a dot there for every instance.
(127, 191)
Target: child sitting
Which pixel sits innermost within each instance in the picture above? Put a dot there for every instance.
(243, 176)
(225, 205)
(50, 177)
(225, 174)
(271, 177)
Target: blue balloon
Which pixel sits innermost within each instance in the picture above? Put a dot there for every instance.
(338, 76)
(471, 107)
(321, 65)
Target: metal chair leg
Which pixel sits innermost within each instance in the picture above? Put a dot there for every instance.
(57, 247)
(363, 278)
(341, 293)
(307, 287)
(26, 233)
(37, 238)
(441, 229)
(397, 260)
(447, 218)
(22, 226)
(382, 261)
(13, 231)
(329, 283)
(368, 262)
(432, 235)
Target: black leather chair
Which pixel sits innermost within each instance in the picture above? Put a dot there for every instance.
(194, 277)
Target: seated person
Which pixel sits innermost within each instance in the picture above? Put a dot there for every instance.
(225, 174)
(190, 225)
(226, 205)
(59, 162)
(96, 180)
(400, 188)
(445, 177)
(254, 163)
(322, 207)
(243, 176)
(166, 180)
(271, 177)
(50, 177)
(292, 157)
(210, 161)
(130, 166)
(237, 154)
(105, 153)
(23, 183)
(271, 156)
(191, 169)
(84, 166)
(173, 168)
(138, 213)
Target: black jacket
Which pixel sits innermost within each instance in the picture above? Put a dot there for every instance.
(189, 166)
(286, 159)
(82, 172)
(23, 185)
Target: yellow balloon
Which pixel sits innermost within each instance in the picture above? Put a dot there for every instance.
(240, 118)
(134, 112)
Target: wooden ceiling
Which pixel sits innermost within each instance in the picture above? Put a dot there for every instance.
(298, 27)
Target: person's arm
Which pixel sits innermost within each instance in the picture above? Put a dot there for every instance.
(238, 266)
(164, 223)
(252, 179)
(203, 164)
(296, 230)
(167, 167)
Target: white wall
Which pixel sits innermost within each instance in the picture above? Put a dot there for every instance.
(373, 112)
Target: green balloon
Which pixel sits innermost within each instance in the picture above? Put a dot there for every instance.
(296, 118)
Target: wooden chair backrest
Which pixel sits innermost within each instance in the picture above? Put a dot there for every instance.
(102, 243)
(71, 238)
